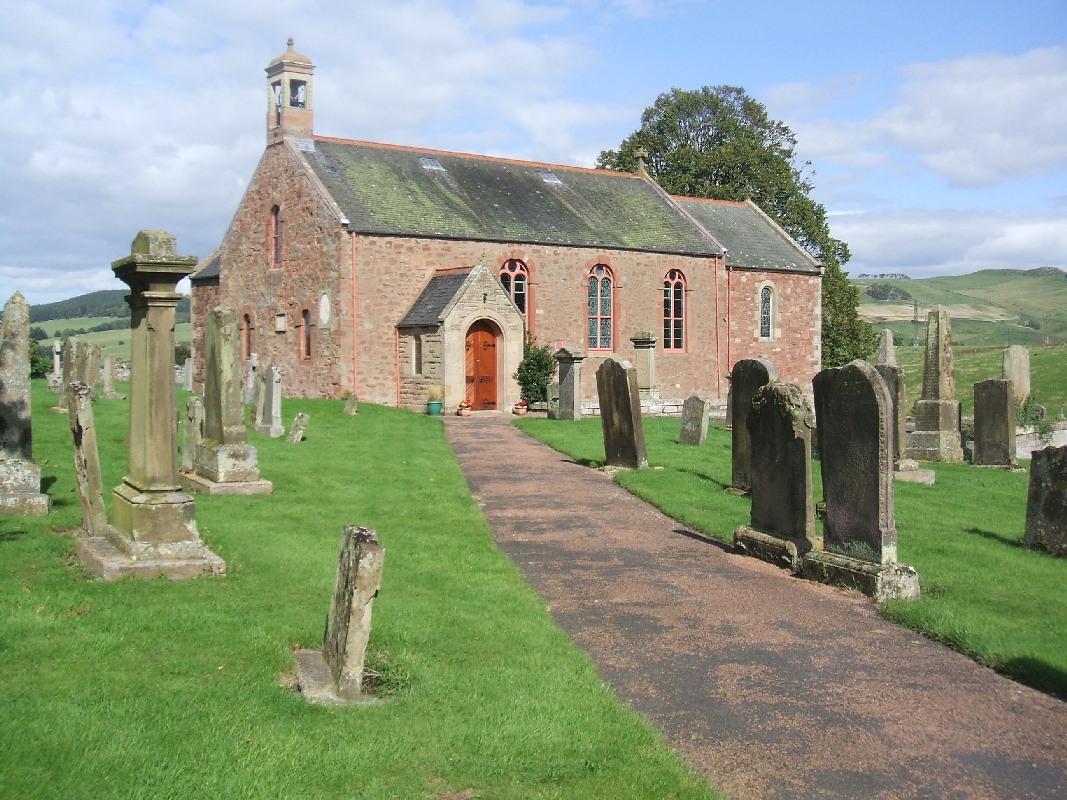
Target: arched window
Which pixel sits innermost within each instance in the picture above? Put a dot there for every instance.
(674, 310)
(515, 279)
(275, 235)
(246, 336)
(601, 308)
(766, 313)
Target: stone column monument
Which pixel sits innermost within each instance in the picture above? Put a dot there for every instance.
(937, 413)
(645, 360)
(570, 383)
(153, 525)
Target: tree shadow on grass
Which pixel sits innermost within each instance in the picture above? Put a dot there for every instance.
(996, 537)
(1038, 674)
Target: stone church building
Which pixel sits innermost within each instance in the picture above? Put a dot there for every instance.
(381, 269)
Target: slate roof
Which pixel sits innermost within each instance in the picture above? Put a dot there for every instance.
(751, 238)
(210, 267)
(430, 305)
(387, 189)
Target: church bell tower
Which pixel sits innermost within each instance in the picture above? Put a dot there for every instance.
(289, 96)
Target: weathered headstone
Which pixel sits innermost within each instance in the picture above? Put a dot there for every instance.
(620, 415)
(66, 374)
(108, 392)
(552, 397)
(187, 376)
(87, 361)
(88, 480)
(782, 530)
(695, 416)
(887, 350)
(251, 373)
(644, 343)
(994, 423)
(937, 413)
(747, 377)
(1017, 370)
(1046, 501)
(853, 408)
(268, 407)
(193, 432)
(570, 383)
(153, 525)
(300, 423)
(20, 478)
(55, 377)
(898, 416)
(334, 675)
(352, 405)
(224, 463)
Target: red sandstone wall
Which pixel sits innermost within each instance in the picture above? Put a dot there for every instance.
(204, 296)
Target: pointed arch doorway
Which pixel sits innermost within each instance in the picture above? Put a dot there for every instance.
(481, 365)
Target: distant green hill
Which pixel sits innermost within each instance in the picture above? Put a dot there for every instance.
(988, 308)
(107, 303)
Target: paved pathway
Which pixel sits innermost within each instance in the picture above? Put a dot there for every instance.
(771, 686)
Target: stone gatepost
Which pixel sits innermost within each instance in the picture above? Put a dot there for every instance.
(268, 402)
(696, 414)
(620, 415)
(334, 675)
(1046, 501)
(994, 423)
(570, 383)
(937, 414)
(224, 463)
(153, 524)
(89, 481)
(747, 377)
(20, 478)
(887, 351)
(645, 361)
(1017, 370)
(782, 529)
(853, 409)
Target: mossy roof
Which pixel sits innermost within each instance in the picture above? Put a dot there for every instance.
(752, 240)
(431, 304)
(390, 190)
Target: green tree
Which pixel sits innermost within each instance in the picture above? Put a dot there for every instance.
(719, 143)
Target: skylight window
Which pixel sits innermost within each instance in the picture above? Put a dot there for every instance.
(430, 163)
(548, 176)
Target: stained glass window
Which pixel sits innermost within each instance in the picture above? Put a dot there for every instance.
(514, 277)
(600, 308)
(765, 309)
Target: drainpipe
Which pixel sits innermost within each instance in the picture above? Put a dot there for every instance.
(718, 338)
(355, 319)
(729, 309)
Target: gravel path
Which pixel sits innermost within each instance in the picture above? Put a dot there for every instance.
(772, 687)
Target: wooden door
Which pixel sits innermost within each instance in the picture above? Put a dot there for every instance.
(481, 360)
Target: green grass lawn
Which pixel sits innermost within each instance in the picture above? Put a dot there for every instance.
(156, 688)
(983, 593)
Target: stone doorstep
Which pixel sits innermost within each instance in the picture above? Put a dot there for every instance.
(24, 505)
(316, 683)
(202, 485)
(109, 563)
(880, 582)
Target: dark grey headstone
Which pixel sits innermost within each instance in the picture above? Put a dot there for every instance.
(695, 416)
(1046, 501)
(746, 378)
(994, 423)
(570, 383)
(620, 415)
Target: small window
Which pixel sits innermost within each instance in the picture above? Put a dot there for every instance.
(276, 91)
(674, 311)
(601, 308)
(514, 277)
(548, 176)
(305, 334)
(275, 235)
(766, 312)
(246, 336)
(430, 163)
(416, 356)
(298, 94)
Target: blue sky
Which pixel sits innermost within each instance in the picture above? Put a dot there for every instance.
(937, 131)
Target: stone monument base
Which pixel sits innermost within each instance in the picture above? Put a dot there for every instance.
(23, 505)
(227, 463)
(880, 582)
(179, 560)
(943, 446)
(908, 471)
(20, 489)
(782, 551)
(317, 685)
(201, 485)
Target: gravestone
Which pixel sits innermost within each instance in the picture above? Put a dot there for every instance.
(645, 362)
(552, 398)
(853, 409)
(898, 415)
(268, 405)
(1046, 501)
(251, 373)
(782, 528)
(746, 378)
(55, 377)
(729, 423)
(87, 364)
(1017, 370)
(695, 416)
(88, 480)
(193, 432)
(20, 478)
(224, 463)
(153, 523)
(334, 675)
(187, 375)
(352, 405)
(937, 413)
(994, 423)
(887, 351)
(300, 423)
(620, 415)
(66, 374)
(108, 374)
(570, 383)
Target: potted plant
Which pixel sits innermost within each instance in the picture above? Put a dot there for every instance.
(520, 407)
(463, 409)
(435, 397)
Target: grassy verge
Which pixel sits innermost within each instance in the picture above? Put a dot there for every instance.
(173, 689)
(983, 593)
